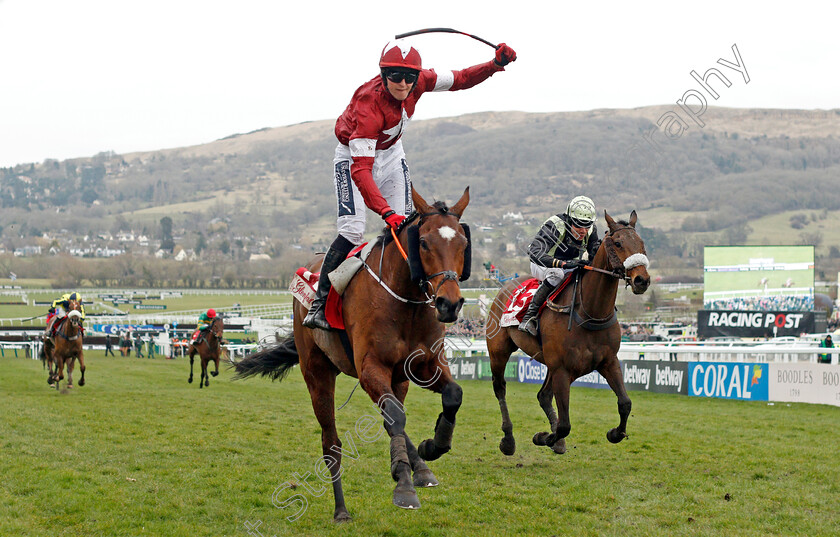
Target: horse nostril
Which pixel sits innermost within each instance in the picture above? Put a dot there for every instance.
(639, 281)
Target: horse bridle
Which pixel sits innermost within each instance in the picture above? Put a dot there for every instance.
(620, 268)
(426, 280)
(71, 320)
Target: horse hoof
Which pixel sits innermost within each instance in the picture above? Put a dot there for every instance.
(614, 436)
(425, 478)
(342, 516)
(214, 373)
(81, 383)
(406, 499)
(507, 446)
(69, 386)
(541, 439)
(190, 380)
(559, 447)
(428, 451)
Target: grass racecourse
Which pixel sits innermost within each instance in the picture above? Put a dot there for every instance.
(138, 451)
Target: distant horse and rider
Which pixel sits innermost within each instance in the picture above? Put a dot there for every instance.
(576, 333)
(207, 343)
(63, 340)
(393, 313)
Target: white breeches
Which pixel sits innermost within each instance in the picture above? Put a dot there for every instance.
(552, 275)
(391, 175)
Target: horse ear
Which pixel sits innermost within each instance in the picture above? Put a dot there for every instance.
(633, 218)
(610, 222)
(458, 208)
(420, 204)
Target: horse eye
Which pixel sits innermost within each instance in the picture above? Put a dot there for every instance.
(423, 244)
(617, 244)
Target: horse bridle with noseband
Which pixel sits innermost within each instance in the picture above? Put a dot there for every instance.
(623, 267)
(423, 281)
(619, 273)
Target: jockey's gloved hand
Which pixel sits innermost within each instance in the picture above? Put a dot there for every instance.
(572, 264)
(393, 219)
(504, 55)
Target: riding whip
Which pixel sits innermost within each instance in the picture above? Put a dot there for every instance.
(444, 30)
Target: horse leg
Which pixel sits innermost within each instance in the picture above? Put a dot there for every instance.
(376, 381)
(59, 370)
(423, 476)
(544, 397)
(560, 383)
(498, 363)
(82, 366)
(204, 374)
(320, 379)
(192, 356)
(435, 375)
(612, 372)
(71, 363)
(216, 359)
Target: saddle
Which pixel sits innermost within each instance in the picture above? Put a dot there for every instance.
(521, 298)
(305, 283)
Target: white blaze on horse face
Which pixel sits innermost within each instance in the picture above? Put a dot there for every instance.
(636, 260)
(447, 232)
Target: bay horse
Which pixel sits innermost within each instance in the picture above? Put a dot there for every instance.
(571, 348)
(65, 348)
(208, 347)
(394, 313)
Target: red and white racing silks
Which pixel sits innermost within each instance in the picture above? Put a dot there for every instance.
(374, 120)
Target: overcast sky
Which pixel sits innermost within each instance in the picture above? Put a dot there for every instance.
(85, 76)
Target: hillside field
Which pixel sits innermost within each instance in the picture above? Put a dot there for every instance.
(139, 451)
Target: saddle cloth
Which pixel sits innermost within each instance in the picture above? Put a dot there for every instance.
(520, 299)
(305, 283)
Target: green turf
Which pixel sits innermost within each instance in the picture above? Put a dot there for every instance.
(185, 303)
(138, 451)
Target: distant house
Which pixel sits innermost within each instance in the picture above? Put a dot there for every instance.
(27, 251)
(259, 257)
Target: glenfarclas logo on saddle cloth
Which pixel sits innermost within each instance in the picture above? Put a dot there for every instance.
(303, 286)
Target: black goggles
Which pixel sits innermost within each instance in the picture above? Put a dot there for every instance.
(410, 77)
(581, 223)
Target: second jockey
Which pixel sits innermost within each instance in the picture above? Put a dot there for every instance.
(369, 164)
(559, 247)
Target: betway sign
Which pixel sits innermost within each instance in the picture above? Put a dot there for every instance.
(753, 323)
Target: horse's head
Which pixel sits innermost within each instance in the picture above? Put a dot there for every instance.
(626, 252)
(439, 249)
(74, 317)
(217, 327)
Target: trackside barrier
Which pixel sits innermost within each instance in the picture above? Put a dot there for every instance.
(720, 374)
(27, 349)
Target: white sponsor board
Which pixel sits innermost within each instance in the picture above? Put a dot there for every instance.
(805, 383)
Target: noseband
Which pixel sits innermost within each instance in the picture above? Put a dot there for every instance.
(413, 260)
(619, 268)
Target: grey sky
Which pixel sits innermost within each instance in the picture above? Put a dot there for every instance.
(84, 76)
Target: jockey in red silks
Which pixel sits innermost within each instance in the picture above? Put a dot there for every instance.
(370, 167)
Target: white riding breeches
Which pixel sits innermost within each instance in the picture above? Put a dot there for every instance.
(552, 275)
(391, 175)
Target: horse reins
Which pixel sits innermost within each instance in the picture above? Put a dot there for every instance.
(620, 274)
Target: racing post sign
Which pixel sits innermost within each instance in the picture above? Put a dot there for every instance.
(717, 323)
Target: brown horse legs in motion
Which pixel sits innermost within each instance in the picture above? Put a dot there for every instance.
(394, 313)
(572, 348)
(208, 348)
(65, 349)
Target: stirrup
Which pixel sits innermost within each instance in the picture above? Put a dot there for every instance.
(530, 326)
(317, 318)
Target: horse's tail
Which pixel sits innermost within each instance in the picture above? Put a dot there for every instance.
(273, 362)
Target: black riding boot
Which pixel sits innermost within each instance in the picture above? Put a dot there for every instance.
(530, 323)
(316, 318)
